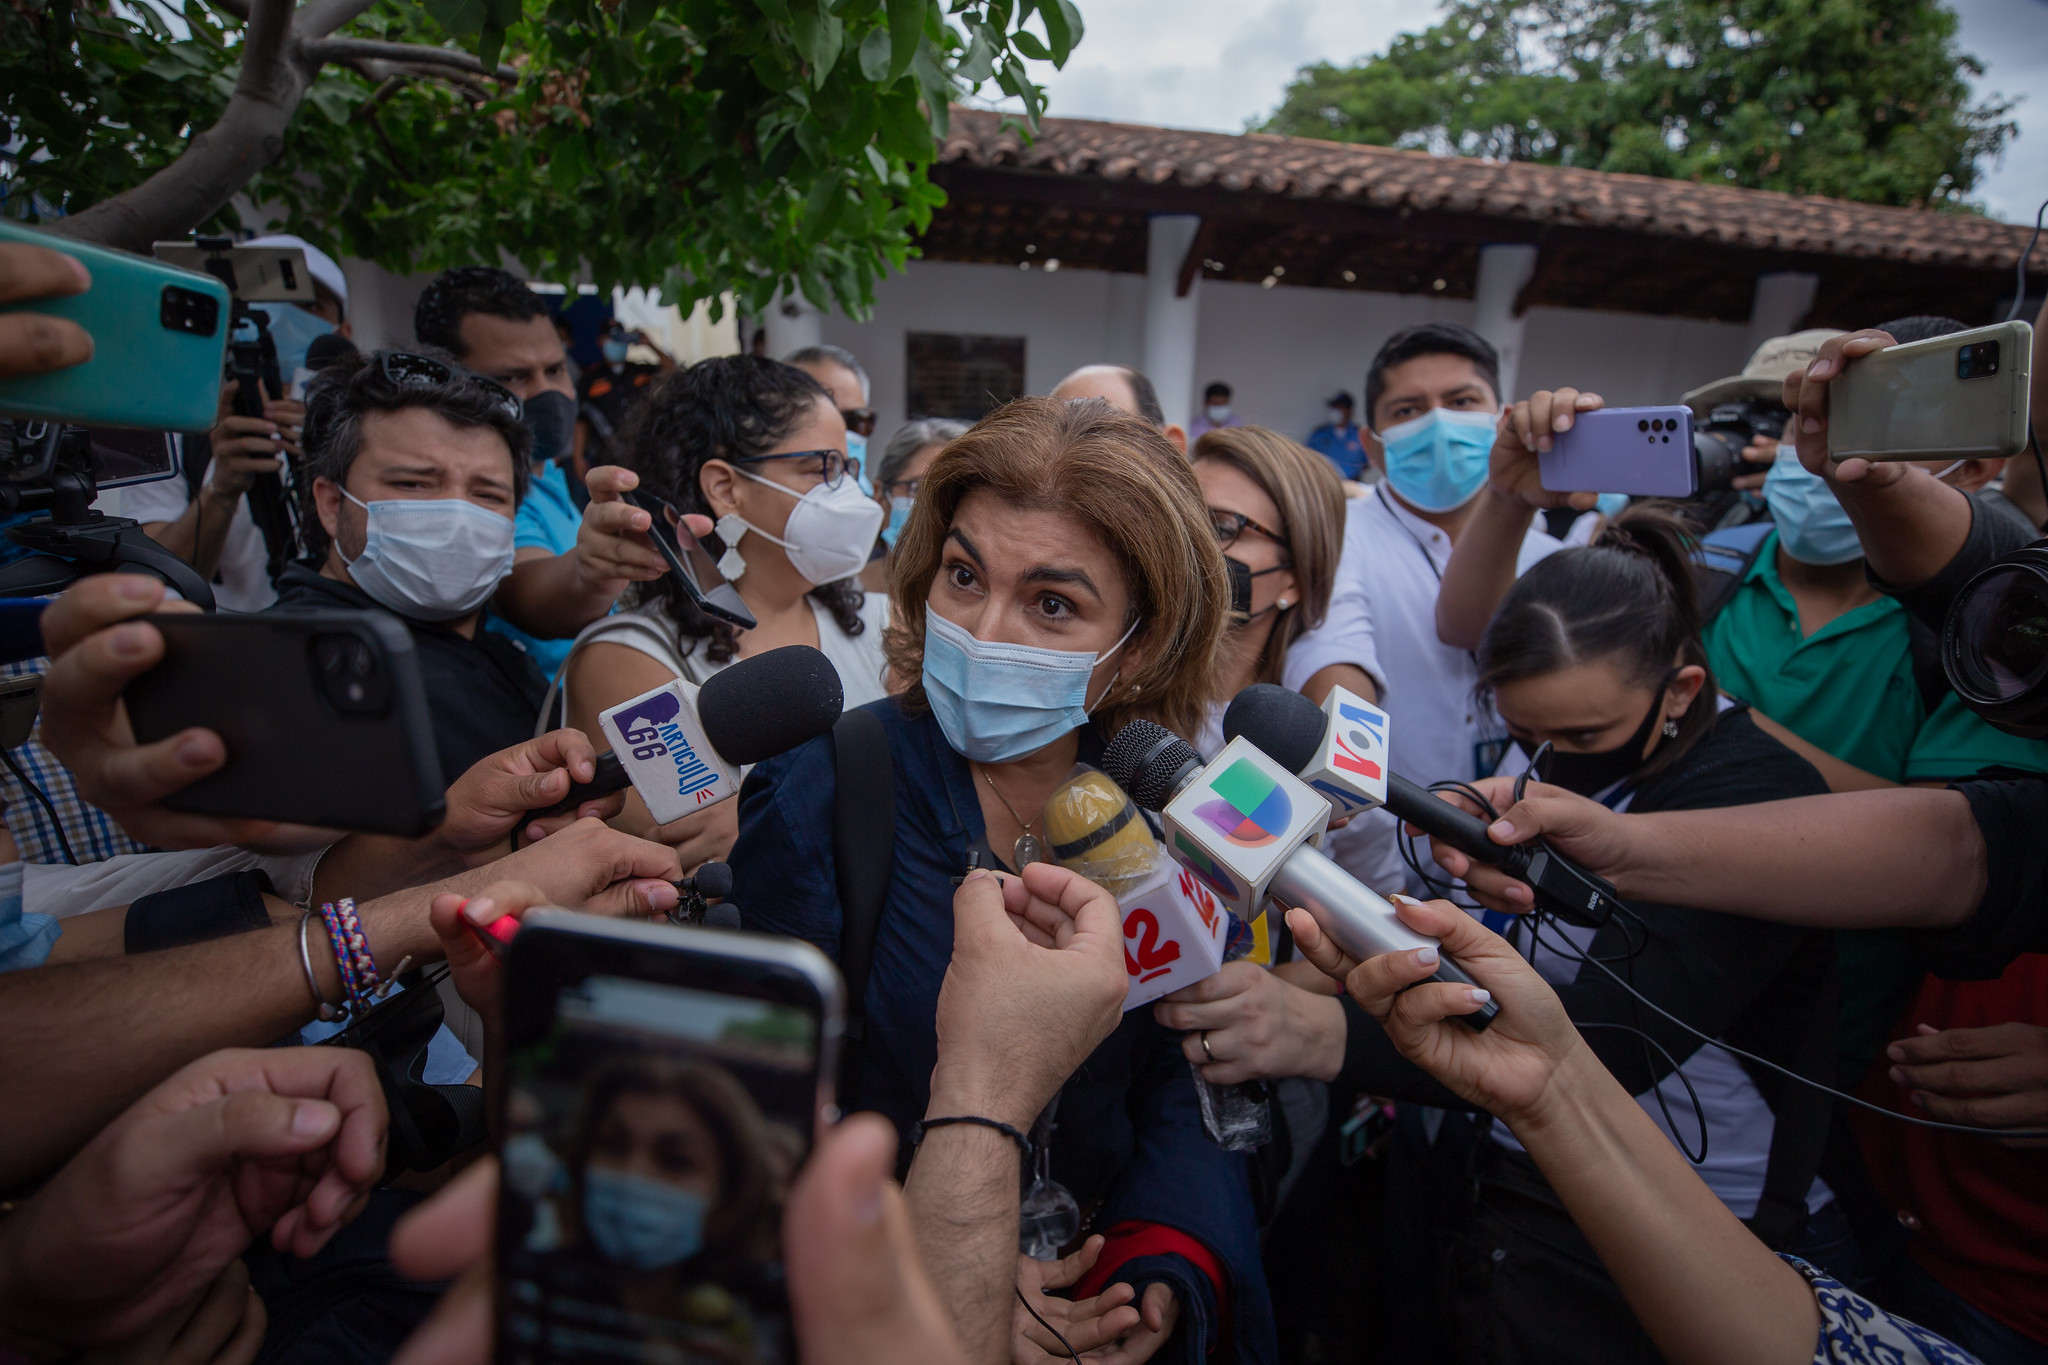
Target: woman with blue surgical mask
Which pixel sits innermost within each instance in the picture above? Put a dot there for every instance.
(758, 448)
(673, 1189)
(896, 476)
(1058, 577)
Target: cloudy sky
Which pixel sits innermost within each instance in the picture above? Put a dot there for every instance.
(1216, 63)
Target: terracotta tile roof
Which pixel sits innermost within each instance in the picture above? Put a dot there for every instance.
(1406, 181)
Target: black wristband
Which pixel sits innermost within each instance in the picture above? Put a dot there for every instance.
(918, 1130)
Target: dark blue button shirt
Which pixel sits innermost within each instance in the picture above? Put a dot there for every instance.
(1130, 1142)
(1340, 446)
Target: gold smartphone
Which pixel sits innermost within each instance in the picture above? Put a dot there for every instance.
(1958, 397)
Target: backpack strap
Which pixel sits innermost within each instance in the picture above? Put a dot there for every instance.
(1723, 559)
(863, 857)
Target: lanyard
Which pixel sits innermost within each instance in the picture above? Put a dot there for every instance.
(1409, 531)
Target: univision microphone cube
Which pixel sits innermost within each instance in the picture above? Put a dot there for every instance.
(1351, 767)
(662, 747)
(1238, 820)
(1174, 934)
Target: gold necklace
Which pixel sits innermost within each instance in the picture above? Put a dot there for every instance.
(1027, 849)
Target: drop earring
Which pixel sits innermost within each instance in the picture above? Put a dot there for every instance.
(1670, 728)
(730, 528)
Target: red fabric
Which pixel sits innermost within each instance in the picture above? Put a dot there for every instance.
(1981, 1207)
(1127, 1241)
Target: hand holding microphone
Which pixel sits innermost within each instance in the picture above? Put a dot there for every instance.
(1243, 824)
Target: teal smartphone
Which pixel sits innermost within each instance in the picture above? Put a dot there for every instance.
(159, 338)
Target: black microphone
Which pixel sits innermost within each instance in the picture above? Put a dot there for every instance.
(1289, 728)
(328, 349)
(711, 882)
(755, 709)
(1158, 768)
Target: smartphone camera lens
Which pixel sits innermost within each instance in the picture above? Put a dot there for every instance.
(189, 311)
(349, 676)
(1642, 426)
(1977, 362)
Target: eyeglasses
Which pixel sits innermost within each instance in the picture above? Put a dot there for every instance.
(859, 421)
(410, 371)
(829, 467)
(903, 488)
(1230, 525)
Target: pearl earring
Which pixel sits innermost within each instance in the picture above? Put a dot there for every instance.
(1281, 605)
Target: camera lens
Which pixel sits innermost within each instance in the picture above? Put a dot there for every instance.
(1642, 426)
(349, 676)
(2000, 629)
(1718, 453)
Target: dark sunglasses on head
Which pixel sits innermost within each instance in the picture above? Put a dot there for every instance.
(860, 421)
(410, 371)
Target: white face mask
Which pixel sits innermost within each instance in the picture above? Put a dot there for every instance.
(1218, 412)
(829, 535)
(432, 559)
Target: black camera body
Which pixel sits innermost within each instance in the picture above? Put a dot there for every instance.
(1718, 442)
(1994, 643)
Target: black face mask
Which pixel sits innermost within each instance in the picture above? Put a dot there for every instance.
(551, 417)
(1588, 774)
(1241, 577)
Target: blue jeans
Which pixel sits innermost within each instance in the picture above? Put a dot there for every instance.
(1938, 1308)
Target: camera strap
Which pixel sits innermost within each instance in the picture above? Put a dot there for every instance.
(863, 857)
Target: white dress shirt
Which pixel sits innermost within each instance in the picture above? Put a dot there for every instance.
(1382, 618)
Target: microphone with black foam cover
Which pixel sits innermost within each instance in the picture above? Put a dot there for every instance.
(1297, 734)
(681, 746)
(1242, 824)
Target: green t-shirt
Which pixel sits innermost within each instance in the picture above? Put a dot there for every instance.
(1956, 742)
(1848, 688)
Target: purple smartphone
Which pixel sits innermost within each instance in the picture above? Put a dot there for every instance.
(1644, 452)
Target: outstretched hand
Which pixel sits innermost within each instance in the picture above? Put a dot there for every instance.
(490, 800)
(1037, 981)
(1581, 829)
(1806, 396)
(1528, 429)
(1509, 1067)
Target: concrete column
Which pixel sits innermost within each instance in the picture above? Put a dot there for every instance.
(1782, 301)
(792, 323)
(1172, 323)
(1504, 268)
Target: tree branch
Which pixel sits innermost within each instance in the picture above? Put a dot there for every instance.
(410, 54)
(322, 17)
(247, 137)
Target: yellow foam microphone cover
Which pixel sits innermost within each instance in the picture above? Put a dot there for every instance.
(1095, 829)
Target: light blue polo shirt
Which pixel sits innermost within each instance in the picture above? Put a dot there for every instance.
(547, 518)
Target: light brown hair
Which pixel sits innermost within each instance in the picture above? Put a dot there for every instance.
(1310, 496)
(1118, 476)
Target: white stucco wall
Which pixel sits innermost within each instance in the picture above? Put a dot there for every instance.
(1283, 350)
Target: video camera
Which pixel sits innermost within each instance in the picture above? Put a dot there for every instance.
(1718, 442)
(1994, 644)
(274, 274)
(60, 469)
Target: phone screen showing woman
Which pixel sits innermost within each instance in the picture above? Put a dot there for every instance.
(650, 1134)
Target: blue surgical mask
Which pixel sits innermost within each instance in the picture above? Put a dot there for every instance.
(1437, 462)
(1812, 526)
(1611, 505)
(899, 516)
(996, 702)
(292, 330)
(857, 449)
(615, 350)
(642, 1223)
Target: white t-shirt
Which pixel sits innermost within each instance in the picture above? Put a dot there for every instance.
(242, 583)
(651, 631)
(1382, 618)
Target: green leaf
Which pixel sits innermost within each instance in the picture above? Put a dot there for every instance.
(906, 28)
(1027, 43)
(1062, 28)
(979, 62)
(777, 11)
(878, 163)
(823, 206)
(489, 43)
(503, 13)
(904, 132)
(874, 56)
(635, 15)
(819, 36)
(460, 18)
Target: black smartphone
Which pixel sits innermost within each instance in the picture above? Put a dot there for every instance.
(323, 714)
(691, 563)
(661, 1088)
